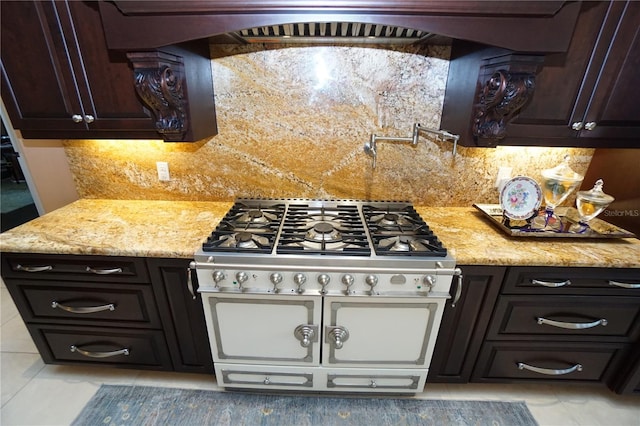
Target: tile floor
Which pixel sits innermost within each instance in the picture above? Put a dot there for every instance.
(37, 394)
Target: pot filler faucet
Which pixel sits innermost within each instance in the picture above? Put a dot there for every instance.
(370, 147)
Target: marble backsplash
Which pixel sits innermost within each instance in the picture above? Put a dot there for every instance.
(293, 122)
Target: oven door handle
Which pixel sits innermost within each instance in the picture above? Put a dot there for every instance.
(336, 335)
(307, 334)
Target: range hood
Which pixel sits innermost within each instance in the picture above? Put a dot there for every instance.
(333, 32)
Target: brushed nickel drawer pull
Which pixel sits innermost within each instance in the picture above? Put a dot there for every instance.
(573, 325)
(551, 284)
(34, 268)
(89, 354)
(83, 309)
(549, 371)
(623, 285)
(104, 271)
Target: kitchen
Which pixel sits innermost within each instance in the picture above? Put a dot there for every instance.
(265, 109)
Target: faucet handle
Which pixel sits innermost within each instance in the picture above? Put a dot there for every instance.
(370, 149)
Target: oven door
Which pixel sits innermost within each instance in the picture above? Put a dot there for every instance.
(385, 332)
(269, 329)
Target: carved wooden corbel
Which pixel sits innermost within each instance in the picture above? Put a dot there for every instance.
(510, 85)
(159, 79)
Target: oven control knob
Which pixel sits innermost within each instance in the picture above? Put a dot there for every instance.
(429, 281)
(218, 276)
(323, 280)
(241, 277)
(299, 280)
(276, 278)
(347, 280)
(371, 281)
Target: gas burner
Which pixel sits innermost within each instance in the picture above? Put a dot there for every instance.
(409, 244)
(337, 246)
(255, 216)
(323, 231)
(393, 220)
(244, 240)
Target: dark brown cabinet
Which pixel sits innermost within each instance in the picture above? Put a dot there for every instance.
(590, 94)
(58, 78)
(180, 307)
(464, 324)
(562, 324)
(88, 309)
(60, 81)
(110, 310)
(584, 97)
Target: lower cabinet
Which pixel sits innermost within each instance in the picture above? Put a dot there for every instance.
(628, 381)
(564, 324)
(543, 361)
(111, 311)
(143, 349)
(180, 307)
(88, 309)
(464, 324)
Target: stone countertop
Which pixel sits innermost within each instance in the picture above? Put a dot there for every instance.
(176, 229)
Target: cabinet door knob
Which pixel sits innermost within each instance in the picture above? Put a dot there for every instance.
(89, 118)
(590, 125)
(77, 118)
(578, 125)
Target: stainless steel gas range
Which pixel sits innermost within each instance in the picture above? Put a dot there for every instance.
(323, 295)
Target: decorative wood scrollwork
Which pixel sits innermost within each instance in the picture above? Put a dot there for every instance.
(160, 82)
(500, 100)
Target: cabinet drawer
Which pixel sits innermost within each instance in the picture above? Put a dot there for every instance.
(566, 318)
(542, 280)
(94, 345)
(264, 377)
(545, 361)
(128, 305)
(74, 268)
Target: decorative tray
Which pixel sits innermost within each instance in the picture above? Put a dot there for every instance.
(567, 225)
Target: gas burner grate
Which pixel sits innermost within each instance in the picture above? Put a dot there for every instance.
(323, 230)
(400, 231)
(247, 228)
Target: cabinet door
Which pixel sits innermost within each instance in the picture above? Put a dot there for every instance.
(560, 98)
(111, 97)
(58, 75)
(38, 87)
(613, 110)
(589, 95)
(464, 325)
(180, 307)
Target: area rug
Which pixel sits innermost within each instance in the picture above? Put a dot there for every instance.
(142, 405)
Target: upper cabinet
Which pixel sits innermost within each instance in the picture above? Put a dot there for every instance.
(585, 97)
(59, 80)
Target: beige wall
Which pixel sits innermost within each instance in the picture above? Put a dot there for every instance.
(48, 167)
(293, 122)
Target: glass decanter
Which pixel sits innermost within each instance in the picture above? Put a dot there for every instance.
(590, 204)
(557, 184)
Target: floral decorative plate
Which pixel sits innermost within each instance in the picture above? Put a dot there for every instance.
(520, 198)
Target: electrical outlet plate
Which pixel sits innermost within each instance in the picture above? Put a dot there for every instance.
(163, 170)
(504, 174)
